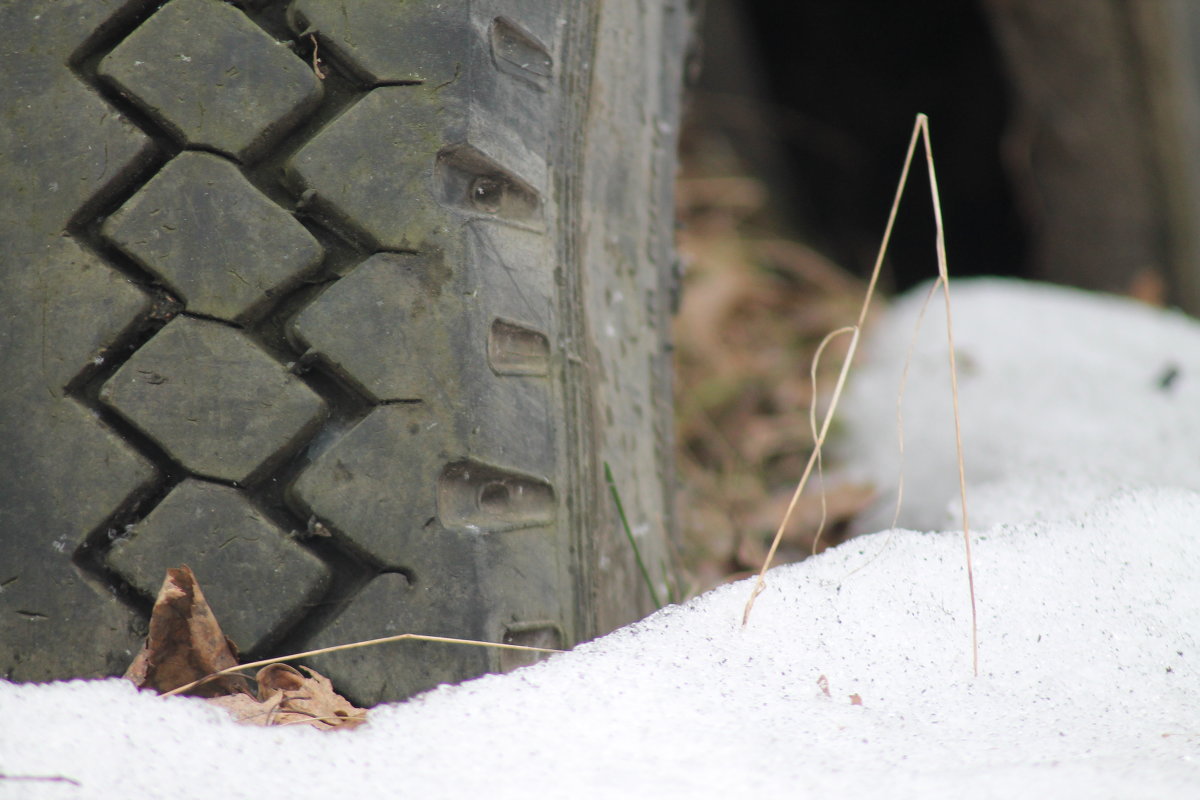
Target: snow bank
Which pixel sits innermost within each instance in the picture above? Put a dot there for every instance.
(1089, 618)
(1065, 395)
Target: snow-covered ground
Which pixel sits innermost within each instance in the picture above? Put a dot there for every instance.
(1082, 425)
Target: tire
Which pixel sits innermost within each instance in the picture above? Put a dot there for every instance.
(348, 327)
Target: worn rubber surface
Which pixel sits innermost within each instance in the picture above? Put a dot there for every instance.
(343, 305)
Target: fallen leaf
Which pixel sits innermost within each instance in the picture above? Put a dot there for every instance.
(287, 697)
(246, 709)
(855, 700)
(185, 642)
(823, 682)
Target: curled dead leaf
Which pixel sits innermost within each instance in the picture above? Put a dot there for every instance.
(185, 642)
(287, 696)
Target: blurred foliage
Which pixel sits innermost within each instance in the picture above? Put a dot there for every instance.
(755, 306)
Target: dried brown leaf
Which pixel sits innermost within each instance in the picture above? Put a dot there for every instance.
(247, 709)
(288, 697)
(185, 642)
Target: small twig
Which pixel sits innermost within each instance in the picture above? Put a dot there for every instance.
(310, 719)
(316, 60)
(354, 645)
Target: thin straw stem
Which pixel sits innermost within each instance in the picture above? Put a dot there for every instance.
(920, 129)
(418, 637)
(760, 583)
(944, 273)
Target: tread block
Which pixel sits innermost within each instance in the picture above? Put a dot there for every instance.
(256, 578)
(370, 168)
(212, 77)
(212, 237)
(56, 31)
(48, 178)
(214, 400)
(65, 473)
(401, 328)
(375, 487)
(483, 499)
(394, 165)
(100, 633)
(363, 36)
(491, 62)
(388, 606)
(64, 476)
(80, 307)
(388, 326)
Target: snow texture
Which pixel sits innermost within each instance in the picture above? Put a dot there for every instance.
(1064, 394)
(1087, 560)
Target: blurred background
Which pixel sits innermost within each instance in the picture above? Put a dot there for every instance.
(1067, 143)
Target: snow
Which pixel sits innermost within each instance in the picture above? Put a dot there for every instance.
(1084, 482)
(1062, 399)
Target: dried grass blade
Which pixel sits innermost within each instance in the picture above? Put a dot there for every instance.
(944, 274)
(760, 583)
(416, 637)
(920, 131)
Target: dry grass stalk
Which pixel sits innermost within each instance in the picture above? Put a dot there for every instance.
(753, 306)
(944, 276)
(416, 637)
(920, 132)
(812, 421)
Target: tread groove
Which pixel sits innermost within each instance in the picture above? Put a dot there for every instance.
(316, 319)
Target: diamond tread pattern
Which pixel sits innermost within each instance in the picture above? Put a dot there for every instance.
(212, 77)
(287, 327)
(225, 249)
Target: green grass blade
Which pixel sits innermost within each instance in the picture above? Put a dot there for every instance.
(637, 553)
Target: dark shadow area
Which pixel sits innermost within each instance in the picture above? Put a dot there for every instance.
(819, 99)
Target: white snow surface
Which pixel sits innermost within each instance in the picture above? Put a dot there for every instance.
(1061, 399)
(1084, 472)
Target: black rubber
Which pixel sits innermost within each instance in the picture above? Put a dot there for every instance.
(343, 305)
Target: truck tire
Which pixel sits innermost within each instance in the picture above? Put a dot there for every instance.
(344, 306)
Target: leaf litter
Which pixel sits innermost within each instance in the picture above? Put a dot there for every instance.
(287, 696)
(755, 307)
(186, 653)
(186, 647)
(185, 642)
